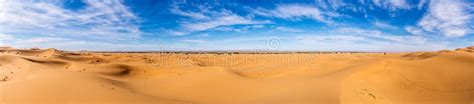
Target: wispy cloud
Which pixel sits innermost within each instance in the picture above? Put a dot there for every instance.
(421, 3)
(331, 4)
(39, 40)
(99, 18)
(239, 28)
(414, 30)
(294, 12)
(383, 36)
(225, 19)
(193, 41)
(288, 29)
(392, 4)
(206, 19)
(5, 37)
(329, 38)
(451, 18)
(76, 45)
(383, 25)
(175, 32)
(195, 15)
(368, 40)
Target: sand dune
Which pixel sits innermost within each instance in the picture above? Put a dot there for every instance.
(51, 76)
(434, 77)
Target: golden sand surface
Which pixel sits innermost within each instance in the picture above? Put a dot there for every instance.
(59, 77)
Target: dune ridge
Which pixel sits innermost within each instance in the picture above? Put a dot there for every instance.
(53, 76)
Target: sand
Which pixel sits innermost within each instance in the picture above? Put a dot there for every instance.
(50, 76)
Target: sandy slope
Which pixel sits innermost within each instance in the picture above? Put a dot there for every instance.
(57, 77)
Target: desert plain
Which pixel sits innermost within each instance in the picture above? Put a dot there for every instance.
(50, 76)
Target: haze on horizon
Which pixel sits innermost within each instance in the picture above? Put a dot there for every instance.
(311, 25)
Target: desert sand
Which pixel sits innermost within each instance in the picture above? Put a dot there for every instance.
(50, 76)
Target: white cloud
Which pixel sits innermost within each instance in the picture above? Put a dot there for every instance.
(414, 30)
(294, 12)
(331, 4)
(5, 37)
(205, 35)
(76, 45)
(38, 40)
(399, 3)
(226, 19)
(245, 28)
(206, 19)
(193, 41)
(99, 19)
(176, 33)
(451, 18)
(379, 35)
(332, 38)
(384, 25)
(225, 28)
(392, 4)
(258, 26)
(421, 3)
(356, 39)
(195, 15)
(288, 29)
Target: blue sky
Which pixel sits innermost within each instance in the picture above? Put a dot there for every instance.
(301, 25)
